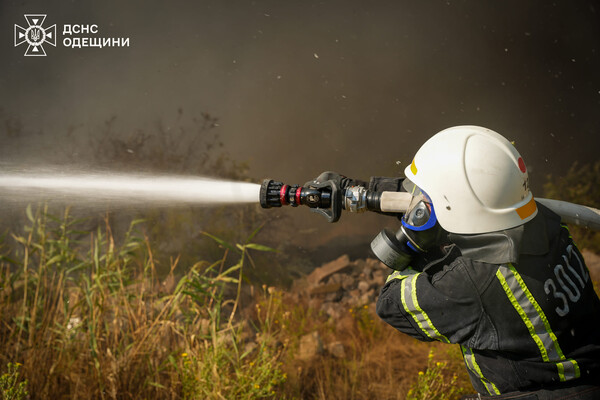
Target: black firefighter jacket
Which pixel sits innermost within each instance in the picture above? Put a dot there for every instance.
(520, 303)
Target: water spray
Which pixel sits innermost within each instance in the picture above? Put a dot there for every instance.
(100, 188)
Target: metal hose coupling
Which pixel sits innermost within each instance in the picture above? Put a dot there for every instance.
(355, 199)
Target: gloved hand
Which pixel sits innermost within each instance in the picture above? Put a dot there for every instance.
(342, 181)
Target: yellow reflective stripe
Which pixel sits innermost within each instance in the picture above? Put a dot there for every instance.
(539, 311)
(568, 231)
(570, 237)
(523, 315)
(536, 321)
(405, 273)
(568, 370)
(469, 358)
(410, 303)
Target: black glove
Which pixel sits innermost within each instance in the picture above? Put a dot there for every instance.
(342, 181)
(385, 184)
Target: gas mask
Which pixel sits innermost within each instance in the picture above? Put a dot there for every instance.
(419, 232)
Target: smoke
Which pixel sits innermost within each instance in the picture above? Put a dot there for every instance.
(303, 87)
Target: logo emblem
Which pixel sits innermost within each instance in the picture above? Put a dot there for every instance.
(35, 35)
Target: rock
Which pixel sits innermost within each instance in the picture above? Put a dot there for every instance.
(376, 264)
(336, 349)
(325, 289)
(343, 279)
(315, 303)
(336, 278)
(330, 268)
(310, 346)
(368, 297)
(363, 286)
(335, 296)
(365, 298)
(331, 309)
(359, 264)
(378, 278)
(348, 283)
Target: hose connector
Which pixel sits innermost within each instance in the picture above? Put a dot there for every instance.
(355, 199)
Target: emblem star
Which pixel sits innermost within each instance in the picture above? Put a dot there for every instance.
(35, 35)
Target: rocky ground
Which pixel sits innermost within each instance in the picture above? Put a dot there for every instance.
(342, 285)
(336, 288)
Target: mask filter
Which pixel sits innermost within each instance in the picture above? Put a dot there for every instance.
(392, 249)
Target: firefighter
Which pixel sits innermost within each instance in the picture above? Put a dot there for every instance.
(493, 271)
(482, 265)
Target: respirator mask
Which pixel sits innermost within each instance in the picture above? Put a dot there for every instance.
(419, 232)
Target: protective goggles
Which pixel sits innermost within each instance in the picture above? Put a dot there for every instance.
(420, 214)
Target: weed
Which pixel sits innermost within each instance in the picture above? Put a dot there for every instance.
(12, 387)
(432, 383)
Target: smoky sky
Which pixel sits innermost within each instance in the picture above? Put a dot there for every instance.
(300, 87)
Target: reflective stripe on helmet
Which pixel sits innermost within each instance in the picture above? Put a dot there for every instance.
(528, 209)
(413, 167)
(537, 324)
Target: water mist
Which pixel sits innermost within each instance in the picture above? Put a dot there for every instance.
(100, 188)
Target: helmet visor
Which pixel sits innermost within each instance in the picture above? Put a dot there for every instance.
(420, 214)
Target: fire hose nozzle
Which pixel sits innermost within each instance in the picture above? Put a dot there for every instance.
(322, 198)
(277, 194)
(326, 198)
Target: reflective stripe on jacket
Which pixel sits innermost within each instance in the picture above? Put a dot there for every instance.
(529, 323)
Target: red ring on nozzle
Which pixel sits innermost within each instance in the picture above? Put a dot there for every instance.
(282, 197)
(298, 192)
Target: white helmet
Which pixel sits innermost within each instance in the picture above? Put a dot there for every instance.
(476, 180)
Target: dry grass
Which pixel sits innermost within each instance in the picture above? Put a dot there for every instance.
(86, 317)
(379, 362)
